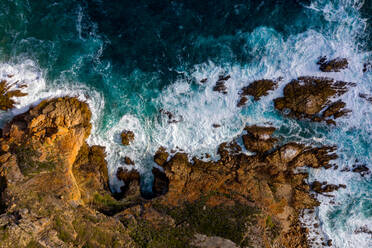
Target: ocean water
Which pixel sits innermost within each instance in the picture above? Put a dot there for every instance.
(130, 59)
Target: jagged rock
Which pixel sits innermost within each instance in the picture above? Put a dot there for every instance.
(171, 117)
(131, 179)
(306, 97)
(7, 94)
(51, 180)
(128, 161)
(220, 84)
(334, 65)
(324, 187)
(362, 169)
(204, 80)
(257, 89)
(258, 139)
(366, 97)
(264, 182)
(161, 156)
(127, 137)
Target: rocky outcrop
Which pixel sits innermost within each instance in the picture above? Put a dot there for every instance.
(257, 89)
(54, 189)
(52, 181)
(333, 65)
(307, 97)
(220, 84)
(126, 137)
(238, 201)
(258, 139)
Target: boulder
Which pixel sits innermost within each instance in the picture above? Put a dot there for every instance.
(333, 65)
(257, 89)
(127, 137)
(306, 97)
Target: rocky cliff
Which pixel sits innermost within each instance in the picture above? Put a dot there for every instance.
(53, 183)
(54, 186)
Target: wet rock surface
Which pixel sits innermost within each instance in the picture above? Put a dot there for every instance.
(217, 199)
(366, 97)
(257, 89)
(362, 169)
(333, 65)
(307, 97)
(126, 137)
(8, 95)
(55, 189)
(220, 84)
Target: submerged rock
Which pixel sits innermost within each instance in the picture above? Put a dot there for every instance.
(127, 137)
(334, 65)
(257, 89)
(128, 161)
(366, 97)
(306, 97)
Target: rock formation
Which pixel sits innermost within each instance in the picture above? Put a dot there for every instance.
(220, 84)
(257, 89)
(54, 189)
(52, 181)
(307, 97)
(239, 200)
(127, 137)
(7, 94)
(333, 65)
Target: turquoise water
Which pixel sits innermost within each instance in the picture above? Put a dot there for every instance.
(129, 59)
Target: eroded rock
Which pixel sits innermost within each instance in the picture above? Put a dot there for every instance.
(126, 137)
(54, 181)
(220, 84)
(306, 97)
(8, 94)
(333, 65)
(262, 188)
(257, 89)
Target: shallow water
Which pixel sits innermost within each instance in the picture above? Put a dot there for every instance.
(129, 60)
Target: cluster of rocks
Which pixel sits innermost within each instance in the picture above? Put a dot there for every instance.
(257, 89)
(7, 94)
(54, 186)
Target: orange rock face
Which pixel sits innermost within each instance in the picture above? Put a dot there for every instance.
(266, 181)
(51, 180)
